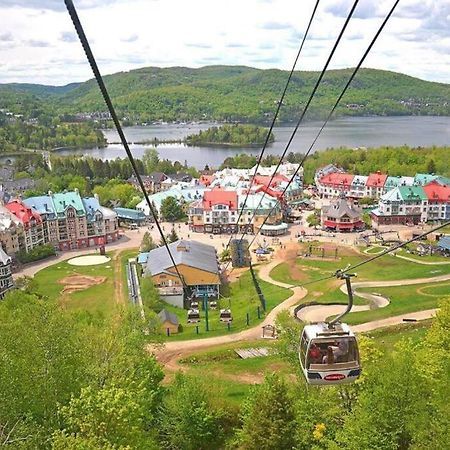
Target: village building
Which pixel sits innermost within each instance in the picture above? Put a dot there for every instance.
(401, 206)
(334, 184)
(393, 182)
(72, 222)
(197, 265)
(421, 179)
(342, 215)
(169, 322)
(375, 185)
(152, 183)
(358, 186)
(6, 280)
(31, 222)
(12, 235)
(127, 216)
(219, 210)
(438, 201)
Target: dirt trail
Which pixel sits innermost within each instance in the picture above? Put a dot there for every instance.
(118, 279)
(319, 313)
(171, 352)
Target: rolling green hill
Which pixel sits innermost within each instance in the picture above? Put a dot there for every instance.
(242, 93)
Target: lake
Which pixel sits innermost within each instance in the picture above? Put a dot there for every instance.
(350, 132)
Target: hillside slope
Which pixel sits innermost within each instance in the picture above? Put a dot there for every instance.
(246, 94)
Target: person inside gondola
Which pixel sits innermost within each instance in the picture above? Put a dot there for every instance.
(329, 357)
(339, 351)
(315, 355)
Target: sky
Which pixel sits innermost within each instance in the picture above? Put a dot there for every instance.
(38, 43)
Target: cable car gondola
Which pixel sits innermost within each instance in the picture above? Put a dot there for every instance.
(193, 316)
(225, 315)
(328, 352)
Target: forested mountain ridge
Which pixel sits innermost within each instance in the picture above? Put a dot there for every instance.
(242, 93)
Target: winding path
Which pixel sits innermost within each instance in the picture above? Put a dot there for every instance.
(319, 313)
(171, 352)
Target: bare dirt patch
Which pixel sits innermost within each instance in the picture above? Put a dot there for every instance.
(77, 282)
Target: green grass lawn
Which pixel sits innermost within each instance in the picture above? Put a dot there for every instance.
(386, 338)
(426, 258)
(403, 299)
(95, 299)
(242, 299)
(234, 374)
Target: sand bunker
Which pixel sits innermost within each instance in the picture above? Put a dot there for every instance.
(78, 282)
(88, 260)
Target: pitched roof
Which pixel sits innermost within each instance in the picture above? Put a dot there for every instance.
(444, 242)
(340, 179)
(131, 214)
(376, 180)
(63, 200)
(436, 192)
(424, 178)
(166, 316)
(341, 208)
(157, 177)
(220, 197)
(412, 193)
(191, 253)
(23, 213)
(359, 180)
(43, 204)
(267, 180)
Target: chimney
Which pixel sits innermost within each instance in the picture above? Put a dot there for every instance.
(50, 193)
(96, 196)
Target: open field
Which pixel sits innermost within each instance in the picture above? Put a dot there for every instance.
(426, 258)
(94, 290)
(235, 375)
(242, 299)
(403, 299)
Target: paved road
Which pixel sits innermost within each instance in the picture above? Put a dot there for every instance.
(131, 239)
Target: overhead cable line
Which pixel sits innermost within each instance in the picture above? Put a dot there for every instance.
(274, 119)
(355, 71)
(92, 62)
(305, 109)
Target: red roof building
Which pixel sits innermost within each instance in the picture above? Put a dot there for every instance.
(438, 201)
(332, 184)
(266, 179)
(206, 180)
(28, 216)
(219, 196)
(376, 180)
(32, 223)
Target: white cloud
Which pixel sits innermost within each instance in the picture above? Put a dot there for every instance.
(38, 44)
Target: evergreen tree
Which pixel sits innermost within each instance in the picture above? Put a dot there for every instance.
(147, 243)
(173, 236)
(171, 210)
